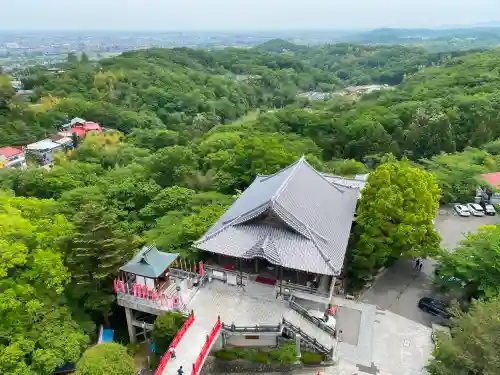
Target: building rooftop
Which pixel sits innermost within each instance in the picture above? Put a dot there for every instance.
(45, 144)
(8, 152)
(358, 181)
(149, 262)
(294, 218)
(492, 178)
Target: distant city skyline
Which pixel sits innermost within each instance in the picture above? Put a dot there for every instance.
(242, 15)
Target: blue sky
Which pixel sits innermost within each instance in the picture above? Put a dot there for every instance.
(241, 14)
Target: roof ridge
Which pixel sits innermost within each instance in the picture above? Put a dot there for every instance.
(342, 177)
(228, 224)
(324, 178)
(327, 260)
(285, 183)
(268, 176)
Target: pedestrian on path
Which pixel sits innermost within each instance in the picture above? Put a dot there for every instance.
(417, 264)
(180, 371)
(420, 266)
(172, 353)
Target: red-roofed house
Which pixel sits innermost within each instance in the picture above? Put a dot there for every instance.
(13, 157)
(492, 178)
(92, 126)
(81, 130)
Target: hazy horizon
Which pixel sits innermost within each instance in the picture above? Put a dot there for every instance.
(243, 16)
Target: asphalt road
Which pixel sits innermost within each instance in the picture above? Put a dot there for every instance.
(400, 287)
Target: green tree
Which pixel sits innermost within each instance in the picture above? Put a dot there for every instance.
(38, 333)
(176, 231)
(474, 346)
(173, 198)
(473, 268)
(84, 58)
(458, 174)
(165, 329)
(395, 217)
(172, 165)
(100, 245)
(106, 359)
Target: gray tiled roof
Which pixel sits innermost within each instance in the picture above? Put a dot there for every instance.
(295, 218)
(359, 181)
(149, 262)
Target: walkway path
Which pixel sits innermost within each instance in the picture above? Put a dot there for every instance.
(190, 346)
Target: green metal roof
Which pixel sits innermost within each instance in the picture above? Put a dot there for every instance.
(149, 262)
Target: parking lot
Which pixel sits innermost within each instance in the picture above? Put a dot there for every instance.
(452, 227)
(400, 287)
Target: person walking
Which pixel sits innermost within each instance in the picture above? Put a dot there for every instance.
(172, 353)
(420, 266)
(180, 371)
(417, 263)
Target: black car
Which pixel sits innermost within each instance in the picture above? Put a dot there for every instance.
(433, 306)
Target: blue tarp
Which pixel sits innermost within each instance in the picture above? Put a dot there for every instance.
(107, 335)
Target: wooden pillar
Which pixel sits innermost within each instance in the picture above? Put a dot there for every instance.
(256, 265)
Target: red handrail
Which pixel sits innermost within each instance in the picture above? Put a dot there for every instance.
(208, 343)
(166, 357)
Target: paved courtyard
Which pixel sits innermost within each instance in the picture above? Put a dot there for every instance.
(400, 287)
(256, 305)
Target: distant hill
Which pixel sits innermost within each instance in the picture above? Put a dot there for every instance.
(279, 46)
(460, 38)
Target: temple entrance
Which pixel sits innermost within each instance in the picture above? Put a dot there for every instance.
(264, 272)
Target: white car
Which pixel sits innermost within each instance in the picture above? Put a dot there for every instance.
(327, 320)
(490, 209)
(461, 210)
(475, 209)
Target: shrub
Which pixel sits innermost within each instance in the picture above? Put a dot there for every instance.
(286, 355)
(107, 358)
(165, 329)
(226, 355)
(133, 349)
(261, 357)
(309, 358)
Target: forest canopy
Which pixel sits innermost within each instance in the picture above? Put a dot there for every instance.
(187, 131)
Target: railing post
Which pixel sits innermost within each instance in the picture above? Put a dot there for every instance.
(194, 369)
(208, 338)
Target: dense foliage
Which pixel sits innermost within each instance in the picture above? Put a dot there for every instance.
(106, 359)
(395, 216)
(473, 269)
(38, 330)
(474, 347)
(192, 130)
(165, 329)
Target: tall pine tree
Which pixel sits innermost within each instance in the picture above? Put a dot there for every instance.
(100, 246)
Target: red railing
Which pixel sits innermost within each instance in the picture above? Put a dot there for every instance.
(166, 357)
(208, 343)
